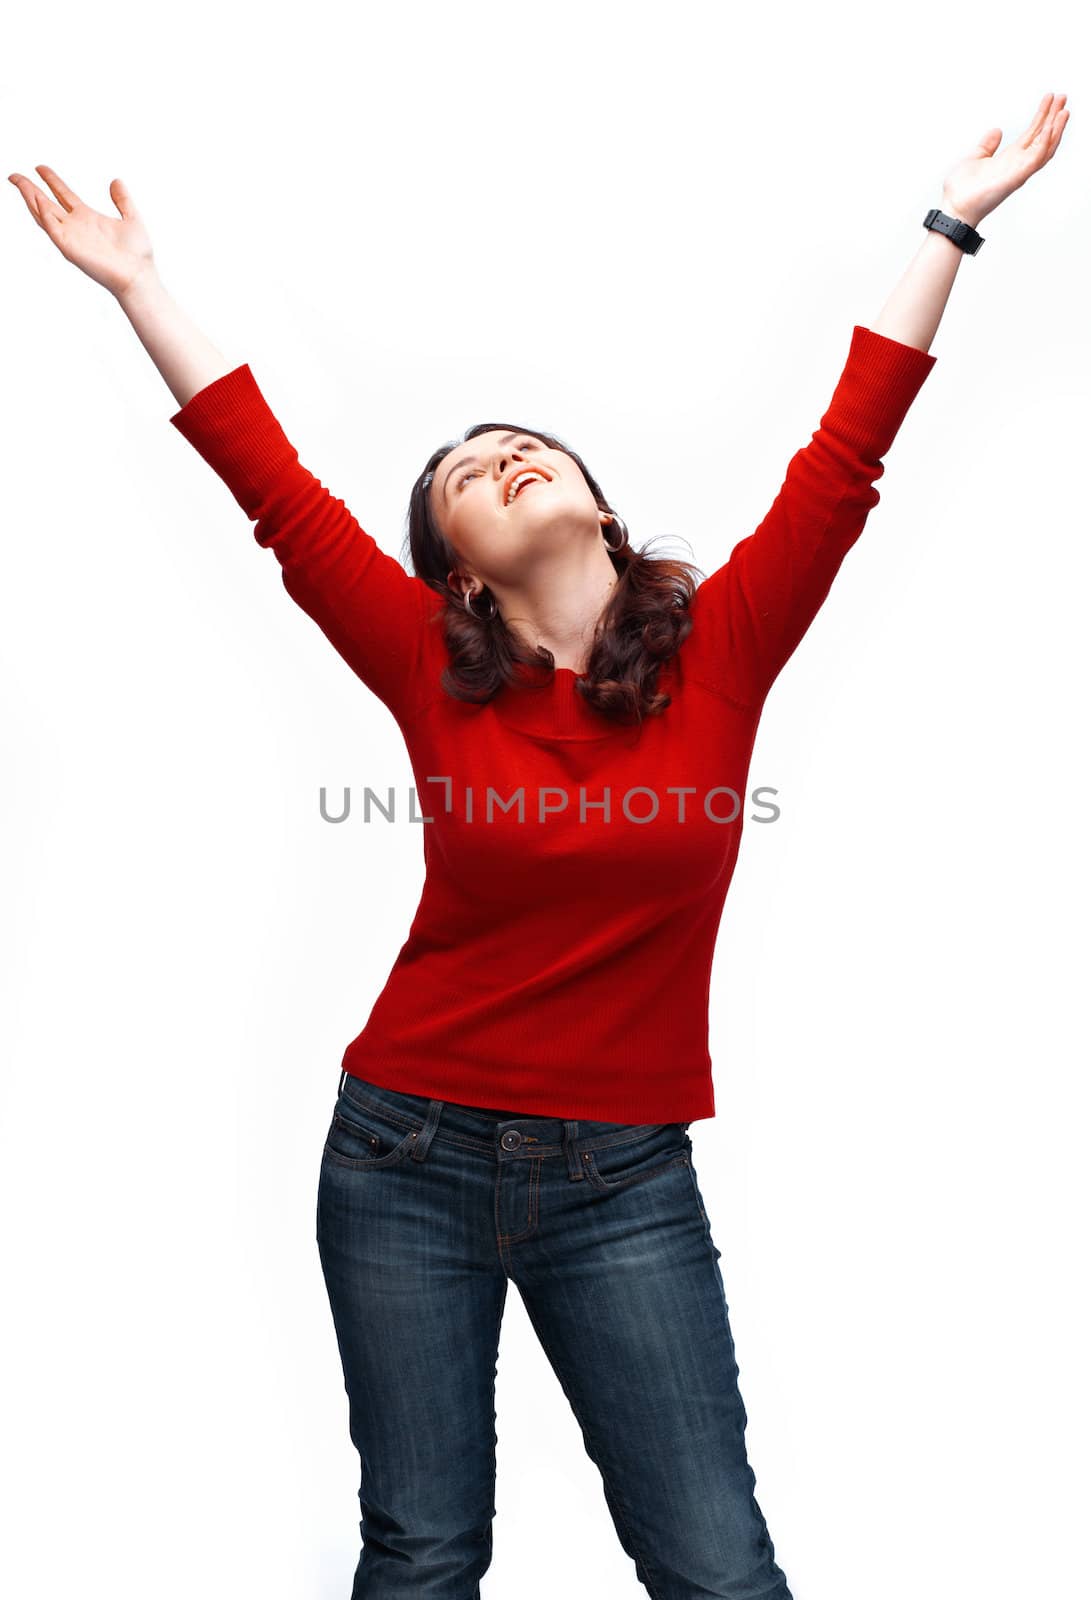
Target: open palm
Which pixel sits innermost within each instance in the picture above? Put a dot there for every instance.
(114, 251)
(988, 174)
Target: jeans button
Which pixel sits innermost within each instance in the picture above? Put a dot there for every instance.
(511, 1140)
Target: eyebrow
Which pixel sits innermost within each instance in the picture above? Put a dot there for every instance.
(466, 460)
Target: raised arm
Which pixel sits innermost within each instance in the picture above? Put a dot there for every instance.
(372, 611)
(369, 608)
(752, 612)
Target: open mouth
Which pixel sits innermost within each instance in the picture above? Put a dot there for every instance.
(523, 481)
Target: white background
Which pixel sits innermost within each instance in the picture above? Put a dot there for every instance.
(652, 231)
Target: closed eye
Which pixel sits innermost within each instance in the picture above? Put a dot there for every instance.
(525, 444)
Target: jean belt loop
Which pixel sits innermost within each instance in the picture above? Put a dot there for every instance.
(571, 1134)
(423, 1143)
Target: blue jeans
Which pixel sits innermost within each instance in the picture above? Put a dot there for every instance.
(426, 1209)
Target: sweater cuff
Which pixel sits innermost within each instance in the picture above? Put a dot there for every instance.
(231, 426)
(881, 379)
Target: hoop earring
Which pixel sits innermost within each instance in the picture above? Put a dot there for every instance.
(614, 548)
(466, 598)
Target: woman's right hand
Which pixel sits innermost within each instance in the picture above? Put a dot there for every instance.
(114, 251)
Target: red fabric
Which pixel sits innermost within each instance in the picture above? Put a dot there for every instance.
(559, 964)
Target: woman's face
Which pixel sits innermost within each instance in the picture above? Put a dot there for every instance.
(503, 542)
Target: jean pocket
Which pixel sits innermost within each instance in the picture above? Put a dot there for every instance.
(651, 1150)
(365, 1136)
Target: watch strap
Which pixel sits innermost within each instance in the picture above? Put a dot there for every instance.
(968, 239)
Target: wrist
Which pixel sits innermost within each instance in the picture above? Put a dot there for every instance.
(960, 213)
(144, 286)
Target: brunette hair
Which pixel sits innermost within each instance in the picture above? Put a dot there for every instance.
(643, 624)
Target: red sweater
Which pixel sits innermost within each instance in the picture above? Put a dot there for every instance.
(559, 960)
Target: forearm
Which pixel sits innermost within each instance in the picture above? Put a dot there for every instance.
(187, 360)
(912, 313)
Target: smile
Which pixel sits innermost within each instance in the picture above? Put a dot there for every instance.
(522, 481)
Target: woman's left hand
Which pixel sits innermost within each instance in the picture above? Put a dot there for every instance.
(979, 182)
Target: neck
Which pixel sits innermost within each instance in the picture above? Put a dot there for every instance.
(560, 607)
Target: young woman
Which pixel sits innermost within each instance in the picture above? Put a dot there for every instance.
(580, 719)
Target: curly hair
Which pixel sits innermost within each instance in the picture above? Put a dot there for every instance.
(642, 626)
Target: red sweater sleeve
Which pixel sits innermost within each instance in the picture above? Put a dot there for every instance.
(372, 611)
(752, 612)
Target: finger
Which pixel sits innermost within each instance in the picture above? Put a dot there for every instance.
(1045, 132)
(68, 197)
(1045, 141)
(38, 202)
(121, 197)
(1037, 122)
(1058, 129)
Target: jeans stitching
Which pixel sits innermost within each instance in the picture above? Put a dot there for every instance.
(614, 1496)
(366, 1163)
(409, 1122)
(608, 1186)
(700, 1207)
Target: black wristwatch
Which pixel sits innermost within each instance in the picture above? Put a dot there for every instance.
(960, 233)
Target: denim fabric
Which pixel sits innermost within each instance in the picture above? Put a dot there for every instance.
(426, 1210)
